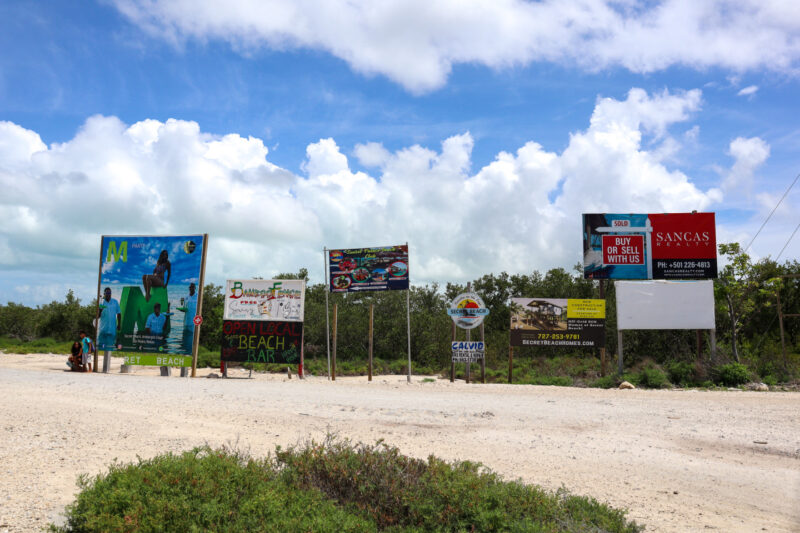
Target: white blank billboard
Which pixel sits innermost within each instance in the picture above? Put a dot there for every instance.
(665, 304)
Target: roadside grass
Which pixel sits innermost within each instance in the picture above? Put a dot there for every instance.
(42, 345)
(331, 486)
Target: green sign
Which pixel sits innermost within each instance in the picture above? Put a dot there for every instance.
(158, 360)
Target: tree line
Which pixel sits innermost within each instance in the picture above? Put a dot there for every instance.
(746, 297)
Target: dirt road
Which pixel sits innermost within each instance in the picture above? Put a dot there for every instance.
(678, 460)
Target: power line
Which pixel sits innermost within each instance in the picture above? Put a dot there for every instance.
(787, 242)
(773, 212)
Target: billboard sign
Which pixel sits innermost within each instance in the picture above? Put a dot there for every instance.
(467, 310)
(665, 304)
(649, 246)
(368, 269)
(468, 351)
(265, 299)
(558, 322)
(148, 294)
(261, 341)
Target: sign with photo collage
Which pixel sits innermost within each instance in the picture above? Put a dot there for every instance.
(368, 269)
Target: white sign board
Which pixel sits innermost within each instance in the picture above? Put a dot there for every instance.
(265, 299)
(665, 304)
(468, 352)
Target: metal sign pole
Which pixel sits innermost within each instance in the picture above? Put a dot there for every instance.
(97, 309)
(619, 350)
(327, 311)
(371, 320)
(408, 321)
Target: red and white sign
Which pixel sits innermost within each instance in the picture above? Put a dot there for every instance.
(197, 320)
(683, 236)
(623, 249)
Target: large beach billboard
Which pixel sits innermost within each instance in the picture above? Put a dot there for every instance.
(649, 246)
(265, 299)
(148, 293)
(368, 269)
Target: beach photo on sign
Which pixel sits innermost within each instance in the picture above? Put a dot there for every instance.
(540, 314)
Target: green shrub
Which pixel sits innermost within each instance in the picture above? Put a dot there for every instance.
(770, 380)
(201, 490)
(652, 378)
(733, 374)
(680, 372)
(607, 382)
(328, 487)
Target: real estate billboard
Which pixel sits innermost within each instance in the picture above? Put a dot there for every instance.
(558, 322)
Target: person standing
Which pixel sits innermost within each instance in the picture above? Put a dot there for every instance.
(86, 345)
(110, 322)
(191, 308)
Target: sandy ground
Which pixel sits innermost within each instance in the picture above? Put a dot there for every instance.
(678, 460)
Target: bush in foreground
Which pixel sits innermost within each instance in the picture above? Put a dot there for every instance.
(330, 486)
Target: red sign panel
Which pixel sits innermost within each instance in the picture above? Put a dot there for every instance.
(684, 236)
(623, 249)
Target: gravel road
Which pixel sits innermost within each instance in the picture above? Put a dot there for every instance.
(678, 460)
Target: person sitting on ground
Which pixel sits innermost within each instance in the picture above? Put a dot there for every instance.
(86, 344)
(75, 360)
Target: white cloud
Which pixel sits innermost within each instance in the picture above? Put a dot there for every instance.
(749, 155)
(748, 91)
(518, 213)
(417, 42)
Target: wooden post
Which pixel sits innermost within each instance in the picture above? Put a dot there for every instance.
(452, 363)
(483, 359)
(301, 369)
(619, 351)
(510, 363)
(468, 364)
(371, 319)
(199, 310)
(699, 344)
(780, 322)
(333, 358)
(603, 362)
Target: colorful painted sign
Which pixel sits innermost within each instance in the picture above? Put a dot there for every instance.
(260, 341)
(468, 351)
(148, 293)
(467, 310)
(649, 246)
(368, 269)
(265, 299)
(558, 322)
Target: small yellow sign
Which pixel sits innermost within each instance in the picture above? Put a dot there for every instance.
(586, 308)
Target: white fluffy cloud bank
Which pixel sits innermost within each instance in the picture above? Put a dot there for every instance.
(417, 42)
(518, 213)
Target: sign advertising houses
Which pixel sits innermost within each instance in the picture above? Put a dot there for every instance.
(558, 322)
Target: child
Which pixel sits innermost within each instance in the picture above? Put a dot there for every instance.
(86, 343)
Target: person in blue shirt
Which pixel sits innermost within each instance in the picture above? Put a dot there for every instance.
(191, 308)
(155, 322)
(86, 345)
(110, 321)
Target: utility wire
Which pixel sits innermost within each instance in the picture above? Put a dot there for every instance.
(773, 212)
(787, 242)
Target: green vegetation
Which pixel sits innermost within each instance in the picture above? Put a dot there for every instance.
(747, 329)
(329, 486)
(733, 374)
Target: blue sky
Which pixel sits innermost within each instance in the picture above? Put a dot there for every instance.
(477, 132)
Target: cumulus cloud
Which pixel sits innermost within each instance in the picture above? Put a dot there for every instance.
(417, 42)
(519, 212)
(749, 155)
